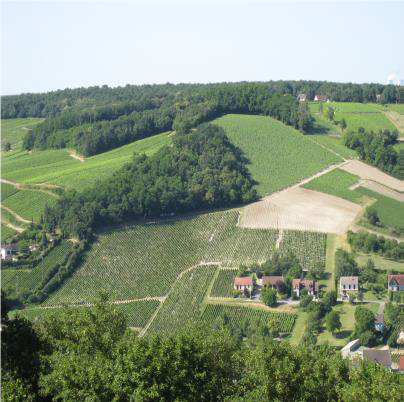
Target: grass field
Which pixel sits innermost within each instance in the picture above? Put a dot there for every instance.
(347, 316)
(14, 130)
(275, 151)
(239, 315)
(390, 211)
(381, 263)
(29, 204)
(138, 313)
(57, 167)
(145, 260)
(298, 329)
(356, 115)
(183, 306)
(336, 182)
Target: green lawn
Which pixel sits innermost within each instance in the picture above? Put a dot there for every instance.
(347, 315)
(280, 156)
(381, 263)
(328, 283)
(336, 182)
(298, 329)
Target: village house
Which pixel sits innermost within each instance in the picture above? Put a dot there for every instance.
(379, 356)
(321, 98)
(243, 283)
(302, 97)
(395, 283)
(7, 251)
(348, 284)
(273, 282)
(299, 284)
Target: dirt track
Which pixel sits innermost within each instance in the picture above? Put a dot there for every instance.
(301, 209)
(378, 188)
(367, 172)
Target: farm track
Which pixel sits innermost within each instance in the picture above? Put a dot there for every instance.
(75, 156)
(11, 226)
(356, 228)
(396, 118)
(16, 216)
(34, 187)
(379, 188)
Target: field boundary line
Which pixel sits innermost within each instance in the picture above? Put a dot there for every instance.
(16, 216)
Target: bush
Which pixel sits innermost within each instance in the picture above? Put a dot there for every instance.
(269, 297)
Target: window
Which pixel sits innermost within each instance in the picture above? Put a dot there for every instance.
(354, 287)
(349, 287)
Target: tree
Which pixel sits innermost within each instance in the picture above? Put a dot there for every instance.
(360, 296)
(44, 240)
(329, 300)
(372, 216)
(317, 272)
(330, 113)
(342, 124)
(364, 321)
(333, 321)
(7, 147)
(274, 326)
(352, 298)
(269, 297)
(305, 300)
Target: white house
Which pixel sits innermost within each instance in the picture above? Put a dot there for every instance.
(7, 251)
(321, 98)
(348, 284)
(243, 283)
(395, 283)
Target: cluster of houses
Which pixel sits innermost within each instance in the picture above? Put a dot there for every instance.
(7, 251)
(347, 284)
(247, 283)
(317, 98)
(356, 353)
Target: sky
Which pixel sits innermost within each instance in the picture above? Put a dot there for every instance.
(54, 45)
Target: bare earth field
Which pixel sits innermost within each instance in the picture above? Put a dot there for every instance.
(397, 119)
(367, 172)
(378, 188)
(297, 208)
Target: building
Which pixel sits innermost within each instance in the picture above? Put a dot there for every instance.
(274, 282)
(379, 356)
(299, 284)
(348, 284)
(395, 283)
(379, 322)
(351, 347)
(243, 283)
(302, 97)
(321, 98)
(7, 251)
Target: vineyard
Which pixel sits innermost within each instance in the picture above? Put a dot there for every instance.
(13, 130)
(223, 285)
(59, 168)
(275, 151)
(237, 315)
(183, 305)
(29, 204)
(138, 313)
(7, 190)
(6, 232)
(337, 182)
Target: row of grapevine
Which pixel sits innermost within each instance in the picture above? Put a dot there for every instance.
(183, 305)
(7, 190)
(223, 285)
(218, 312)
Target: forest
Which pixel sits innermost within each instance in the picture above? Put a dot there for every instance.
(201, 170)
(90, 354)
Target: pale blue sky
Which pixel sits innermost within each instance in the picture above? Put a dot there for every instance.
(47, 46)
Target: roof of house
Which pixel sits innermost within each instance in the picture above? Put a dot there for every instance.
(273, 280)
(321, 97)
(401, 364)
(348, 280)
(382, 357)
(306, 283)
(398, 278)
(11, 246)
(244, 280)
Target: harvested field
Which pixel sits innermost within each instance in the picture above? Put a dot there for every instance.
(378, 188)
(301, 209)
(367, 172)
(396, 118)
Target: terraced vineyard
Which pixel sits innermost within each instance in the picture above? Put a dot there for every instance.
(7, 190)
(238, 314)
(6, 232)
(275, 151)
(184, 303)
(223, 285)
(138, 312)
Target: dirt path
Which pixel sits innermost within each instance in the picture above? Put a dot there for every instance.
(356, 228)
(34, 187)
(279, 239)
(16, 216)
(75, 156)
(379, 188)
(10, 225)
(396, 118)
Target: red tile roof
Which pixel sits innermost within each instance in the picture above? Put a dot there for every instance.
(273, 280)
(398, 278)
(305, 283)
(401, 365)
(245, 280)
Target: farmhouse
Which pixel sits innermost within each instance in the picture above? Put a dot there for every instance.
(382, 357)
(7, 251)
(302, 97)
(274, 282)
(395, 283)
(243, 283)
(321, 98)
(299, 284)
(348, 284)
